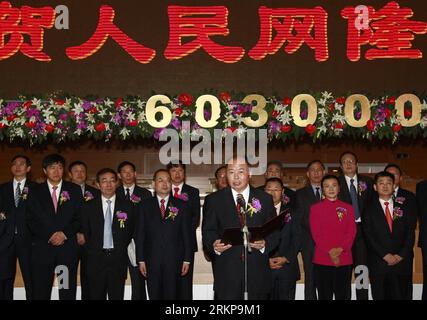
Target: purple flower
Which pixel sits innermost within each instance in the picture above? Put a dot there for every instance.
(173, 212)
(86, 105)
(63, 117)
(358, 115)
(176, 123)
(64, 197)
(397, 213)
(82, 125)
(362, 186)
(341, 212)
(207, 114)
(135, 199)
(400, 200)
(32, 113)
(285, 199)
(288, 217)
(158, 133)
(183, 196)
(304, 114)
(256, 204)
(274, 127)
(122, 215)
(88, 196)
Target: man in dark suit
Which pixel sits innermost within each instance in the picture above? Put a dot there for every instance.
(305, 198)
(283, 260)
(163, 244)
(77, 172)
(230, 208)
(54, 220)
(422, 242)
(389, 227)
(135, 195)
(108, 225)
(275, 170)
(356, 190)
(15, 239)
(411, 208)
(220, 183)
(191, 196)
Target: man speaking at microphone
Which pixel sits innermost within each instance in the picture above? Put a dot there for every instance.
(230, 208)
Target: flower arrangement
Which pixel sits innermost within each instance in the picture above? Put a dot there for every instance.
(341, 212)
(173, 212)
(88, 196)
(397, 213)
(24, 193)
(135, 199)
(254, 206)
(58, 119)
(362, 187)
(122, 218)
(64, 197)
(400, 200)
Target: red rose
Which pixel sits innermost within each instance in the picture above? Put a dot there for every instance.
(232, 129)
(332, 107)
(310, 129)
(59, 102)
(100, 127)
(178, 111)
(391, 100)
(93, 110)
(133, 123)
(388, 113)
(225, 96)
(30, 124)
(338, 125)
(396, 127)
(49, 128)
(1, 125)
(185, 99)
(285, 128)
(340, 100)
(287, 100)
(27, 104)
(370, 124)
(407, 113)
(11, 118)
(118, 102)
(274, 114)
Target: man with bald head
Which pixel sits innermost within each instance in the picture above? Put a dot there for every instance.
(229, 208)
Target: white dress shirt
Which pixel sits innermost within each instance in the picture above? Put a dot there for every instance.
(131, 189)
(105, 205)
(244, 193)
(57, 191)
(21, 186)
(179, 187)
(390, 206)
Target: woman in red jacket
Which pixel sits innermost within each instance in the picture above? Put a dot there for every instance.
(333, 229)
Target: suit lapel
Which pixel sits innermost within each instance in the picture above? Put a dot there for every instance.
(382, 217)
(48, 197)
(344, 191)
(231, 205)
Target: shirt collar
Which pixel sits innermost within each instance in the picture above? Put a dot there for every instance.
(245, 193)
(347, 179)
(104, 199)
(131, 189)
(166, 199)
(22, 182)
(178, 186)
(51, 186)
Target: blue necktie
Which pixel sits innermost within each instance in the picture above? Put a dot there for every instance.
(354, 202)
(108, 234)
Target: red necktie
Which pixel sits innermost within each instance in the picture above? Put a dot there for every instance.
(388, 216)
(162, 208)
(55, 198)
(176, 194)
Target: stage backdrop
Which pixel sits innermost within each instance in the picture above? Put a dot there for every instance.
(320, 50)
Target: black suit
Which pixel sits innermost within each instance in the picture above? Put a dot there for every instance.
(15, 239)
(389, 282)
(359, 250)
(164, 244)
(422, 243)
(136, 278)
(43, 223)
(284, 279)
(193, 203)
(88, 193)
(107, 269)
(291, 194)
(305, 199)
(229, 266)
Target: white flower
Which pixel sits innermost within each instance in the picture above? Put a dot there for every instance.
(124, 133)
(424, 105)
(285, 118)
(326, 95)
(77, 108)
(423, 122)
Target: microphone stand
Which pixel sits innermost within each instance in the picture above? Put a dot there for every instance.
(247, 248)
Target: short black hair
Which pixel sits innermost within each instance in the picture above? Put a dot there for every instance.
(158, 171)
(329, 177)
(315, 161)
(393, 165)
(217, 170)
(350, 153)
(104, 171)
(124, 164)
(27, 160)
(52, 159)
(175, 164)
(274, 179)
(383, 174)
(275, 162)
(76, 163)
